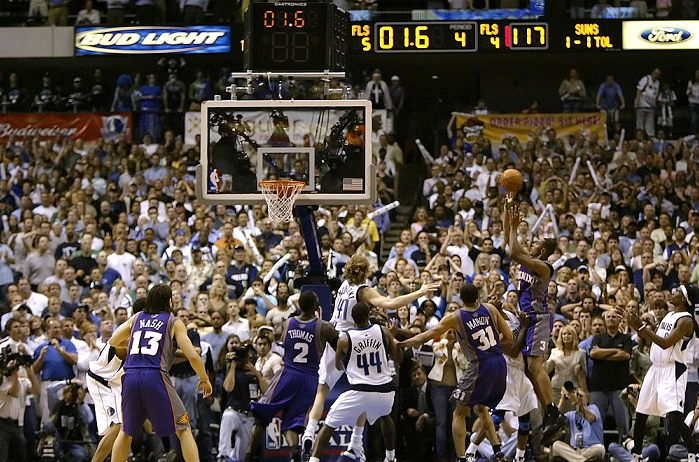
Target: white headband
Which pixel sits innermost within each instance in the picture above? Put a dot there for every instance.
(686, 296)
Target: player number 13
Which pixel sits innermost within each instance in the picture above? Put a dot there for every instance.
(153, 343)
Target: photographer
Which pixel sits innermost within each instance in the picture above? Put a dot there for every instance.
(242, 384)
(585, 426)
(69, 421)
(650, 451)
(17, 382)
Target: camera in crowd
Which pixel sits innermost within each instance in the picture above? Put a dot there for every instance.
(240, 355)
(7, 356)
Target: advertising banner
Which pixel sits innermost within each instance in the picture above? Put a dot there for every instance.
(88, 126)
(660, 35)
(152, 39)
(525, 127)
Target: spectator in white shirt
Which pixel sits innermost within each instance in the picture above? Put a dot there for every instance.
(88, 15)
(122, 261)
(236, 325)
(429, 185)
(489, 178)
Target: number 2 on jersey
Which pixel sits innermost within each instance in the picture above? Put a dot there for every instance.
(302, 349)
(374, 360)
(486, 337)
(153, 343)
(342, 309)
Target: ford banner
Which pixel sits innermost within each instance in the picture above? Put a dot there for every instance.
(151, 39)
(660, 35)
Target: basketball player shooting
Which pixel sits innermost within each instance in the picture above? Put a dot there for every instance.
(534, 275)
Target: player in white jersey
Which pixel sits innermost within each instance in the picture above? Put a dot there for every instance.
(104, 384)
(364, 352)
(519, 397)
(352, 291)
(663, 390)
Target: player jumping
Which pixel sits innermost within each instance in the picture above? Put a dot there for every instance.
(483, 383)
(534, 275)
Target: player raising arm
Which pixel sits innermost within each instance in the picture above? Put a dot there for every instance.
(534, 275)
(663, 389)
(483, 383)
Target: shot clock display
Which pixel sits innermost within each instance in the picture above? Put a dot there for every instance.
(295, 36)
(451, 36)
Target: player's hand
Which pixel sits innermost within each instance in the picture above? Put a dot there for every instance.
(634, 321)
(523, 319)
(412, 413)
(392, 326)
(205, 387)
(431, 287)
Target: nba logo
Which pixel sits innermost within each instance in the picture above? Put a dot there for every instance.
(273, 435)
(214, 180)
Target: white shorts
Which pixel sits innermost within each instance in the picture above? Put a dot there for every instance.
(328, 374)
(519, 395)
(107, 404)
(662, 391)
(351, 404)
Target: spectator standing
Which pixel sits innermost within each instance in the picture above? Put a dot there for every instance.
(647, 91)
(610, 99)
(418, 417)
(693, 98)
(150, 103)
(174, 94)
(377, 92)
(58, 13)
(14, 390)
(146, 13)
(236, 325)
(572, 92)
(55, 359)
(567, 361)
(115, 14)
(193, 11)
(611, 355)
(88, 15)
(268, 362)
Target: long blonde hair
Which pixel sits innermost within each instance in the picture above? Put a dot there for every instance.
(559, 341)
(357, 270)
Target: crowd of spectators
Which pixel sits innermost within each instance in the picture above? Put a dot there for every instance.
(87, 229)
(632, 9)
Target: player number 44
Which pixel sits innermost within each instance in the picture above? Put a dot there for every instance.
(374, 360)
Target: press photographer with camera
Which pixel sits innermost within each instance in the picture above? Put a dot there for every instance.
(585, 427)
(18, 381)
(68, 423)
(650, 451)
(241, 385)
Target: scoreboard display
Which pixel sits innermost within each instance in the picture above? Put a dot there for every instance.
(485, 36)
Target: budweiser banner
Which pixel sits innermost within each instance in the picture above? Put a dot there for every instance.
(525, 127)
(88, 126)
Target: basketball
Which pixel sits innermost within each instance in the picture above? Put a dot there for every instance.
(511, 180)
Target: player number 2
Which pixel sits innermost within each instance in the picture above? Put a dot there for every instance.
(374, 360)
(486, 337)
(302, 349)
(153, 343)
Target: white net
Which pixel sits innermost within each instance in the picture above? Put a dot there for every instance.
(280, 196)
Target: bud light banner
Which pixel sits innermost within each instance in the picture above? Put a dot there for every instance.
(152, 39)
(87, 126)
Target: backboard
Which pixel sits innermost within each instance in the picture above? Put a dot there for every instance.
(326, 144)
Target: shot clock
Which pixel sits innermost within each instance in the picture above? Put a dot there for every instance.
(295, 36)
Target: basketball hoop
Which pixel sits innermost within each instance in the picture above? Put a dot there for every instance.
(280, 196)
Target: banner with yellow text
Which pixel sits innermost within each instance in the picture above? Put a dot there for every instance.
(525, 127)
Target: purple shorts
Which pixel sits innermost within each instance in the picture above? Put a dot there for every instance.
(483, 382)
(149, 394)
(538, 334)
(290, 392)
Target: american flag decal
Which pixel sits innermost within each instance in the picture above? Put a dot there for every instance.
(352, 184)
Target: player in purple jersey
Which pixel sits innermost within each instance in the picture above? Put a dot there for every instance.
(534, 275)
(480, 327)
(293, 388)
(147, 392)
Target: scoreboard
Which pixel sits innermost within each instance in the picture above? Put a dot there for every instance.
(513, 36)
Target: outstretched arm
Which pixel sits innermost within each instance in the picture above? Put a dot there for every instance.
(517, 253)
(448, 322)
(372, 297)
